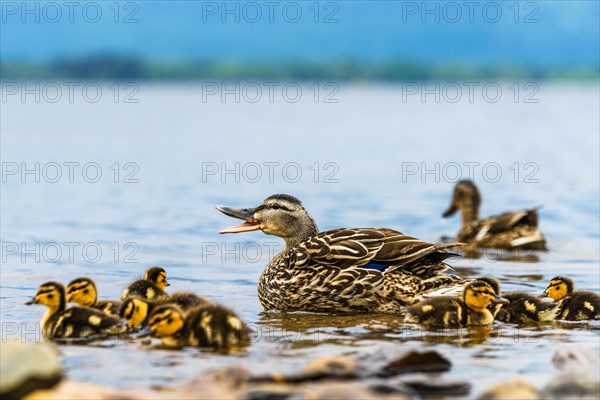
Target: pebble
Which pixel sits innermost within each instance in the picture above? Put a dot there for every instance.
(26, 367)
(415, 361)
(515, 389)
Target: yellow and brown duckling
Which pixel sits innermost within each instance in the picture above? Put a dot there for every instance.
(572, 305)
(61, 322)
(83, 291)
(138, 309)
(455, 312)
(510, 231)
(522, 307)
(204, 326)
(152, 286)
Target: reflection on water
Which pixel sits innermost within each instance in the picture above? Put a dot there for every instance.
(168, 217)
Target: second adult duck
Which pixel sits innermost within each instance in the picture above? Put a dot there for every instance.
(341, 270)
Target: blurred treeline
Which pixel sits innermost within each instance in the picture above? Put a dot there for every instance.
(120, 68)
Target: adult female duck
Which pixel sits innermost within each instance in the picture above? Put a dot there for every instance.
(509, 231)
(342, 270)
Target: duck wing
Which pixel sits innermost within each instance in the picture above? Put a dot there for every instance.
(82, 322)
(508, 220)
(382, 249)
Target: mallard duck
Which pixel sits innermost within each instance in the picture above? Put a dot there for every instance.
(83, 291)
(510, 231)
(75, 322)
(204, 326)
(454, 312)
(152, 286)
(137, 309)
(572, 305)
(342, 270)
(522, 307)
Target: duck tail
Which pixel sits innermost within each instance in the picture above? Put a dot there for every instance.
(443, 246)
(442, 285)
(533, 242)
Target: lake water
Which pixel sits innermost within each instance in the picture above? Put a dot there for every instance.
(376, 157)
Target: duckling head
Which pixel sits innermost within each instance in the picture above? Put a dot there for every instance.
(166, 320)
(479, 295)
(492, 282)
(559, 288)
(50, 294)
(158, 276)
(82, 291)
(136, 310)
(280, 215)
(495, 285)
(465, 197)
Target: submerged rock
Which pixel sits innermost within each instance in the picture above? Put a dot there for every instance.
(571, 358)
(415, 361)
(574, 385)
(342, 391)
(579, 378)
(319, 369)
(429, 387)
(26, 367)
(336, 367)
(515, 389)
(70, 390)
(219, 384)
(320, 391)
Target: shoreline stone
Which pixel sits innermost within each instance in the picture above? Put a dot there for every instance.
(26, 367)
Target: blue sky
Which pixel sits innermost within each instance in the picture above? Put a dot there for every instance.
(528, 32)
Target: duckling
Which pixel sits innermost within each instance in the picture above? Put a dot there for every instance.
(83, 291)
(510, 230)
(572, 305)
(152, 286)
(522, 307)
(137, 309)
(74, 322)
(454, 312)
(204, 326)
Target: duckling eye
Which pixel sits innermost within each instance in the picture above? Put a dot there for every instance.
(275, 206)
(86, 291)
(50, 296)
(170, 321)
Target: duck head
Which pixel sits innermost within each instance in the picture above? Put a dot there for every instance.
(82, 291)
(50, 294)
(479, 295)
(136, 310)
(158, 276)
(166, 320)
(280, 215)
(559, 287)
(466, 197)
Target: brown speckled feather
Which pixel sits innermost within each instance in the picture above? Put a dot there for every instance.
(324, 272)
(505, 231)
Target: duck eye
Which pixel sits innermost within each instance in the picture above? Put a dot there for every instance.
(275, 206)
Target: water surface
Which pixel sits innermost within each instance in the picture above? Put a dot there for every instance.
(172, 141)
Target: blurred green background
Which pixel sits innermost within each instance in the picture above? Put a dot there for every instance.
(343, 40)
